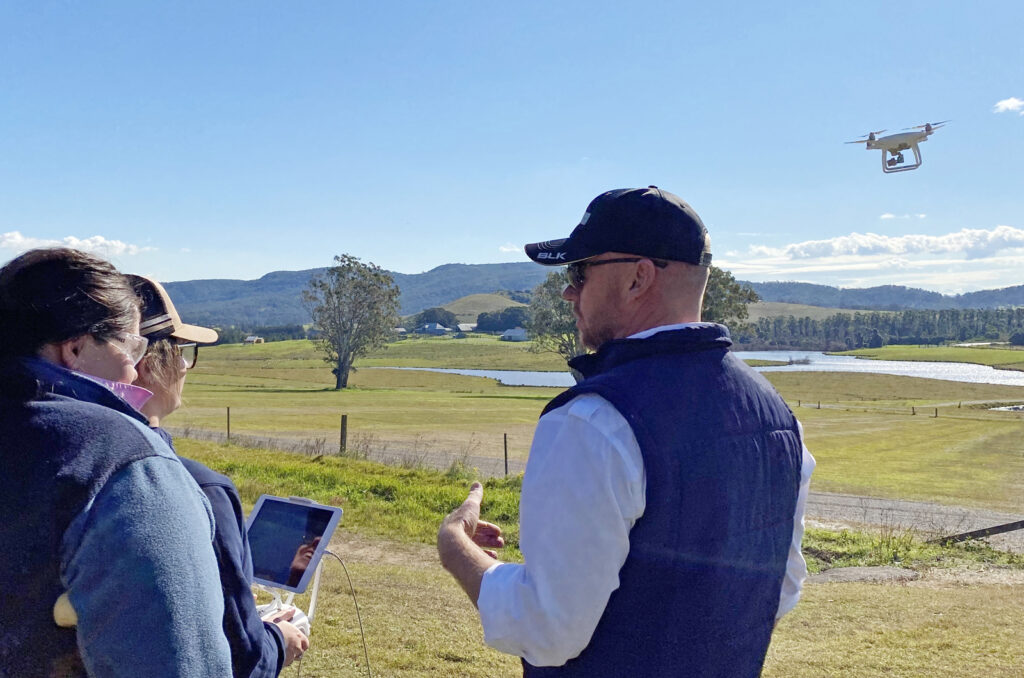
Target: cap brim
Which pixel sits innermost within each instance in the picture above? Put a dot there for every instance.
(556, 252)
(200, 335)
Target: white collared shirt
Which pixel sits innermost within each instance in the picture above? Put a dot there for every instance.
(583, 490)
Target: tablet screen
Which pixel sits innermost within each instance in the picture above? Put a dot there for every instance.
(287, 538)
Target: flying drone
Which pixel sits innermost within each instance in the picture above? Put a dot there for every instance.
(895, 144)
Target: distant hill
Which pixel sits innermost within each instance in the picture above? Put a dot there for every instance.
(276, 298)
(885, 297)
(467, 308)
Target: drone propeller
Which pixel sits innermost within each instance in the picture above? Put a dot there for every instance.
(870, 136)
(928, 125)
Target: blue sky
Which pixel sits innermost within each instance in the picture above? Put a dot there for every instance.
(230, 139)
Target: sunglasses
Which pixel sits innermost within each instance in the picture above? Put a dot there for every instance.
(132, 345)
(577, 271)
(189, 353)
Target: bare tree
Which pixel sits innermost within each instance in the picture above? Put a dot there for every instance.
(551, 322)
(354, 307)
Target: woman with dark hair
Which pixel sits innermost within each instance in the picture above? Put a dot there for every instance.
(107, 565)
(259, 648)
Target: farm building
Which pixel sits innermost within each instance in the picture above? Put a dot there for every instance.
(514, 334)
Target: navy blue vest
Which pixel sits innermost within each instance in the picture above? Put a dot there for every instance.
(700, 588)
(61, 438)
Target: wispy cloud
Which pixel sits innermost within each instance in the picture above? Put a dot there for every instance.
(97, 244)
(509, 247)
(970, 242)
(890, 215)
(1011, 104)
(955, 262)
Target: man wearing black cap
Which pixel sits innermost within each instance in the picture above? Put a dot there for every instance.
(662, 506)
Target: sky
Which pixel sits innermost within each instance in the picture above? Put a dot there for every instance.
(228, 139)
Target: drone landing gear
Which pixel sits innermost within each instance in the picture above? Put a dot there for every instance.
(895, 163)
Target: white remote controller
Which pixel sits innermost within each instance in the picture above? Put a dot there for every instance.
(298, 620)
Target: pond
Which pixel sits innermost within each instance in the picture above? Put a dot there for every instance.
(810, 361)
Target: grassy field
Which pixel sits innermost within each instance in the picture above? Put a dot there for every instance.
(772, 309)
(958, 618)
(1001, 358)
(865, 438)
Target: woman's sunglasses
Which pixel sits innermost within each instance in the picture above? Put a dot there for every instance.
(189, 353)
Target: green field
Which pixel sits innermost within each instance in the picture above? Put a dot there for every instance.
(959, 619)
(864, 436)
(773, 309)
(418, 622)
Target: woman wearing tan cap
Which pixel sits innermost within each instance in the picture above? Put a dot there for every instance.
(259, 648)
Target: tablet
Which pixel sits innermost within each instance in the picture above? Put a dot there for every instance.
(287, 538)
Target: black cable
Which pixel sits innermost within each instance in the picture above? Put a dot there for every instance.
(362, 634)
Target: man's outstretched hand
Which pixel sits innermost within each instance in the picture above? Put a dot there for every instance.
(460, 531)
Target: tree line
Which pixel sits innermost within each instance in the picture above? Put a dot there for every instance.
(867, 329)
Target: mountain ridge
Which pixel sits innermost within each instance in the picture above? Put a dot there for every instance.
(276, 297)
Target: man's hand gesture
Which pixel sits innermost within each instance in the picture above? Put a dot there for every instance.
(460, 531)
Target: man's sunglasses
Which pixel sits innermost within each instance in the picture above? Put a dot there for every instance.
(577, 271)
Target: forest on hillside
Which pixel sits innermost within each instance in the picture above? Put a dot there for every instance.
(846, 331)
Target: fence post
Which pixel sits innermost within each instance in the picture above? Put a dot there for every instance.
(229, 424)
(913, 410)
(936, 413)
(798, 403)
(819, 404)
(343, 435)
(506, 453)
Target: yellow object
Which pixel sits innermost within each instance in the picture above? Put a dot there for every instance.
(63, 613)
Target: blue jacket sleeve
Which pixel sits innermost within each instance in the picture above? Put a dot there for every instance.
(141, 576)
(256, 646)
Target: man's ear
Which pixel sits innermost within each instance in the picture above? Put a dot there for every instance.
(643, 277)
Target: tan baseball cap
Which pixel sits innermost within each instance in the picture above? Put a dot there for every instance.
(159, 317)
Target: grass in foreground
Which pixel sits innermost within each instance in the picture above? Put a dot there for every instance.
(418, 622)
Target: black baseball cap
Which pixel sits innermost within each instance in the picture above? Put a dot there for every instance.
(648, 222)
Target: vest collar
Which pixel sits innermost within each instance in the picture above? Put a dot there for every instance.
(57, 380)
(690, 339)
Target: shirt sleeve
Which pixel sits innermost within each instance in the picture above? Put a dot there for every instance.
(796, 566)
(582, 492)
(142, 577)
(257, 647)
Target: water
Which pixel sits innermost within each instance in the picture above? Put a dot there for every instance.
(817, 362)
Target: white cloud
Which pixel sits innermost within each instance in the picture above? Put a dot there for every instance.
(962, 261)
(97, 244)
(890, 215)
(509, 247)
(1011, 104)
(972, 243)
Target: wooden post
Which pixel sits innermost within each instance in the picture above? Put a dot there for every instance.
(819, 404)
(343, 435)
(936, 413)
(913, 410)
(229, 424)
(798, 403)
(506, 454)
